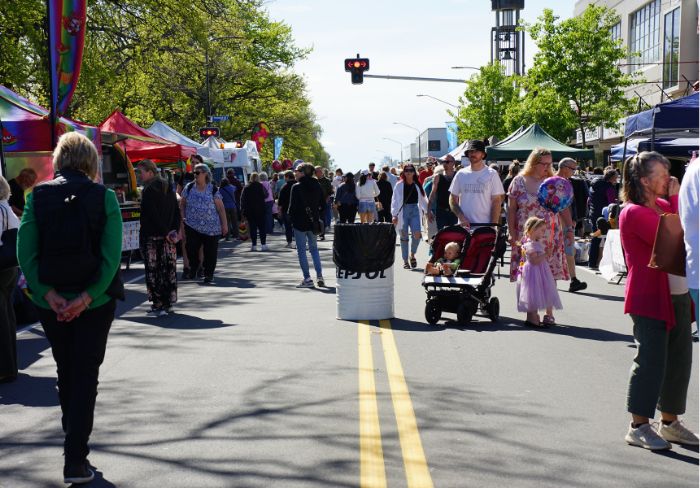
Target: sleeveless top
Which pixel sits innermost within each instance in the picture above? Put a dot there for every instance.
(443, 193)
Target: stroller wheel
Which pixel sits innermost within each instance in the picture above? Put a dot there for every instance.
(464, 313)
(432, 311)
(493, 309)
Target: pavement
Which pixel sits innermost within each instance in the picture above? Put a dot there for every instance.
(254, 383)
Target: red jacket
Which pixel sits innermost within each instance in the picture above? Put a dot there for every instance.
(647, 292)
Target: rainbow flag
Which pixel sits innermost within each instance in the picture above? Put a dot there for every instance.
(66, 41)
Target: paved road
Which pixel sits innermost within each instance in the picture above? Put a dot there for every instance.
(253, 383)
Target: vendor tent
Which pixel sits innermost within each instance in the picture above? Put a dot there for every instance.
(668, 146)
(673, 116)
(163, 130)
(141, 144)
(520, 145)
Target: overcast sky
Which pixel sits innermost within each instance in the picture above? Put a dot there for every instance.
(407, 37)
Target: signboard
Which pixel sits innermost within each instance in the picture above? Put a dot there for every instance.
(219, 118)
(131, 228)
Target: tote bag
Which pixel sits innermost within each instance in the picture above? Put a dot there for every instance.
(668, 253)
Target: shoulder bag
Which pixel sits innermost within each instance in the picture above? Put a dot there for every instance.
(668, 254)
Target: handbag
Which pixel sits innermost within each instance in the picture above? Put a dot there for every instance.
(8, 250)
(668, 254)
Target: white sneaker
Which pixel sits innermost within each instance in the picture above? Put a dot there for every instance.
(289, 246)
(265, 248)
(645, 436)
(153, 312)
(306, 283)
(162, 313)
(678, 433)
(319, 282)
(253, 248)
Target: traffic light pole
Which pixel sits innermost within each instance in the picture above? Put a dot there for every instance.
(416, 78)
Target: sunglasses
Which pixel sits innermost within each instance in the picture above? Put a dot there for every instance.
(409, 171)
(197, 173)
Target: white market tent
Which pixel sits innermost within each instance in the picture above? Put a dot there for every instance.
(166, 132)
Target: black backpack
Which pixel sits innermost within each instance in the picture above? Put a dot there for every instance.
(69, 254)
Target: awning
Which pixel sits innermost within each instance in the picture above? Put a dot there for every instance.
(519, 145)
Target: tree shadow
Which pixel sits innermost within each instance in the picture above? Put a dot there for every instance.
(30, 391)
(30, 345)
(610, 298)
(179, 321)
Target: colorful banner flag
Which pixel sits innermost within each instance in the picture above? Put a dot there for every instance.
(66, 41)
(452, 141)
(259, 134)
(278, 147)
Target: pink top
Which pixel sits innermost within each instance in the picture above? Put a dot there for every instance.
(268, 192)
(647, 292)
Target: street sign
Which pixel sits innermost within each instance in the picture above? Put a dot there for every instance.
(219, 118)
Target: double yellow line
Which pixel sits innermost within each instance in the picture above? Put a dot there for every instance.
(372, 470)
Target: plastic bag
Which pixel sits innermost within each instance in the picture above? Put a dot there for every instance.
(364, 248)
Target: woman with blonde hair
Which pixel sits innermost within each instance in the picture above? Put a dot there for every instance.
(69, 248)
(523, 204)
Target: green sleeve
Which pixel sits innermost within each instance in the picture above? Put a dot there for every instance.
(28, 253)
(455, 264)
(111, 246)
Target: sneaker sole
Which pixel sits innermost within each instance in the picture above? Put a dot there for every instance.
(637, 444)
(79, 480)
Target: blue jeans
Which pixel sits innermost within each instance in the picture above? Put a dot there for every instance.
(411, 222)
(301, 238)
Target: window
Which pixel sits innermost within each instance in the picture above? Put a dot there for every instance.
(434, 145)
(672, 37)
(644, 35)
(616, 31)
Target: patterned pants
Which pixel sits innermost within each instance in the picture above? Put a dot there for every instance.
(160, 258)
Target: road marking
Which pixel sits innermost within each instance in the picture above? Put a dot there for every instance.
(415, 465)
(372, 472)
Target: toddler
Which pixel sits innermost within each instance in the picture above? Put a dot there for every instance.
(446, 265)
(536, 288)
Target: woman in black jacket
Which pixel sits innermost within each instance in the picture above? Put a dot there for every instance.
(253, 208)
(160, 225)
(346, 201)
(386, 191)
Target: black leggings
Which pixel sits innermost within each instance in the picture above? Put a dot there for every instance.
(256, 225)
(195, 240)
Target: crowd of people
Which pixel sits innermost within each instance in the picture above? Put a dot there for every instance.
(69, 233)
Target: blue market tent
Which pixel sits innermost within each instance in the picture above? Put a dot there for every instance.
(669, 147)
(677, 115)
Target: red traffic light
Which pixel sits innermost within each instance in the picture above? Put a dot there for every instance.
(357, 67)
(206, 132)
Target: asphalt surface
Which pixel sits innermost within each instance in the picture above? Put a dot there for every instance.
(254, 383)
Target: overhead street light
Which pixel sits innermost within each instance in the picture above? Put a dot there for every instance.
(397, 142)
(466, 67)
(415, 129)
(438, 99)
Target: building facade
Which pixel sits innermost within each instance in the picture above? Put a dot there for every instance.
(662, 37)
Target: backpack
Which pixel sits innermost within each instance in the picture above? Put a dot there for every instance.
(189, 186)
(69, 254)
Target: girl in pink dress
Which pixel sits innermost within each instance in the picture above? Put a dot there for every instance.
(536, 287)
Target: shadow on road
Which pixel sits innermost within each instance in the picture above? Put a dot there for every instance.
(178, 321)
(610, 298)
(30, 391)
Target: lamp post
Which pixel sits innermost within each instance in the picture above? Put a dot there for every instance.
(438, 99)
(415, 129)
(397, 142)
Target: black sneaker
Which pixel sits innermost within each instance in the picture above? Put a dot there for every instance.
(577, 285)
(208, 280)
(78, 474)
(200, 273)
(186, 274)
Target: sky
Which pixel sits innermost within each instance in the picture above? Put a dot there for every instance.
(406, 37)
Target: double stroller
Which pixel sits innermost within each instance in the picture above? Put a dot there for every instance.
(468, 291)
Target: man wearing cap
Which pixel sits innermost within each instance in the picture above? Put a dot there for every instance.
(567, 167)
(476, 192)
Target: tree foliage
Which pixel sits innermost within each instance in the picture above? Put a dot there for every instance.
(483, 106)
(577, 59)
(153, 58)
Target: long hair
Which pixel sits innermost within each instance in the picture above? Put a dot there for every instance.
(636, 168)
(534, 158)
(363, 180)
(415, 177)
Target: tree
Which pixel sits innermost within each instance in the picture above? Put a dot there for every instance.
(577, 59)
(483, 106)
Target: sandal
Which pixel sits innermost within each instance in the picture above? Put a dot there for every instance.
(549, 320)
(414, 263)
(536, 325)
(405, 265)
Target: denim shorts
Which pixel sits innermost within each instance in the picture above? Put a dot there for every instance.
(365, 207)
(411, 218)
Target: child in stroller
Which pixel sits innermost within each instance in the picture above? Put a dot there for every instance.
(446, 265)
(468, 289)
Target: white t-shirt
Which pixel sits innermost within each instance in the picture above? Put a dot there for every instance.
(689, 210)
(475, 190)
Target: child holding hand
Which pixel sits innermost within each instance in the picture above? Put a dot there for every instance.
(446, 265)
(536, 288)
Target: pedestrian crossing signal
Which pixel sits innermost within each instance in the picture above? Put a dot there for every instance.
(357, 66)
(206, 132)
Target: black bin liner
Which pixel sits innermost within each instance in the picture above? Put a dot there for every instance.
(364, 248)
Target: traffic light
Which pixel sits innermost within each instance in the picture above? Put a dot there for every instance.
(206, 132)
(357, 67)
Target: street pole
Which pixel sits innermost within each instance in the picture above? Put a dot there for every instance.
(397, 142)
(415, 129)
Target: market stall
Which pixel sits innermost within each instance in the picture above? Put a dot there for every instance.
(520, 144)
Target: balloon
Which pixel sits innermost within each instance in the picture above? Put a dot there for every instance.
(287, 163)
(276, 166)
(555, 194)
